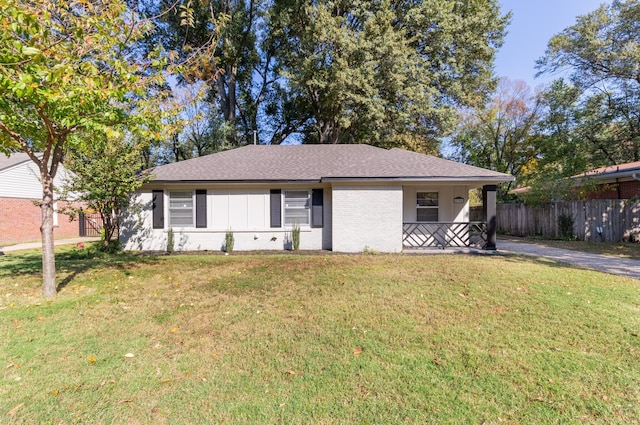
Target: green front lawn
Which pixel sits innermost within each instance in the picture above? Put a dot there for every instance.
(317, 339)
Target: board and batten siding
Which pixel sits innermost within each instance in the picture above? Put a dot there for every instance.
(245, 212)
(448, 211)
(239, 209)
(367, 217)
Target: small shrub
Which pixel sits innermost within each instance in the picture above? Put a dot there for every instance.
(228, 242)
(295, 237)
(112, 246)
(565, 226)
(170, 241)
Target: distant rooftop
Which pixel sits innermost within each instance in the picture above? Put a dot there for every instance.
(15, 159)
(628, 167)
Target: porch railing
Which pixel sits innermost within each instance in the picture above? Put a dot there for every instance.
(443, 235)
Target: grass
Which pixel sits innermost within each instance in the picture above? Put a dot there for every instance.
(300, 339)
(615, 249)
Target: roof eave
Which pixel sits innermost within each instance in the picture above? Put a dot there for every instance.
(491, 179)
(256, 181)
(441, 179)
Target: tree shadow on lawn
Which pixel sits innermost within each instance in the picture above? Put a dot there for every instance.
(543, 261)
(69, 261)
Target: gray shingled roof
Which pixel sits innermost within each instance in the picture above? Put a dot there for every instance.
(255, 163)
(14, 159)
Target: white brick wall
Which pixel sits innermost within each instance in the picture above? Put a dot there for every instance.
(367, 217)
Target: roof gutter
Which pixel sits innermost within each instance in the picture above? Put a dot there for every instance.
(633, 173)
(152, 182)
(488, 179)
(419, 179)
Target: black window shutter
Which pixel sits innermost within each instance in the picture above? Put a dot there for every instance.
(276, 208)
(201, 208)
(317, 196)
(157, 205)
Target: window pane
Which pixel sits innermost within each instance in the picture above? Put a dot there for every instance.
(427, 199)
(427, 206)
(296, 207)
(427, 214)
(181, 209)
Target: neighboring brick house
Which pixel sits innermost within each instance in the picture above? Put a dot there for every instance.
(346, 198)
(20, 190)
(615, 182)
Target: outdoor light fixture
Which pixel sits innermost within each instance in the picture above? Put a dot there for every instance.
(458, 200)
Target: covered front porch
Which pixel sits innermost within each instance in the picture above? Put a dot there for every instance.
(440, 219)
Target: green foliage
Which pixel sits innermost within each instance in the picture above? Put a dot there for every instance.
(229, 241)
(563, 152)
(600, 52)
(231, 30)
(67, 69)
(369, 251)
(388, 74)
(353, 71)
(71, 72)
(106, 172)
(501, 134)
(295, 237)
(170, 241)
(565, 226)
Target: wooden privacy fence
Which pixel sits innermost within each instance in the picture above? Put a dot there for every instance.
(594, 220)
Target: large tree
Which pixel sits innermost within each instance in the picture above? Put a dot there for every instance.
(502, 134)
(66, 69)
(388, 73)
(236, 72)
(600, 54)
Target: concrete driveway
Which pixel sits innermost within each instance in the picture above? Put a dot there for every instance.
(614, 265)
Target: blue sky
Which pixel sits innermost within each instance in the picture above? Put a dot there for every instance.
(533, 23)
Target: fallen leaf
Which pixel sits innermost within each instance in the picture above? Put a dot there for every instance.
(357, 351)
(291, 372)
(15, 409)
(174, 329)
(436, 361)
(91, 359)
(55, 392)
(126, 400)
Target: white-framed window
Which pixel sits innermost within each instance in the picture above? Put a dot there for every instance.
(296, 207)
(427, 206)
(181, 211)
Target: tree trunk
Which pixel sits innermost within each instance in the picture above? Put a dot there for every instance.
(46, 230)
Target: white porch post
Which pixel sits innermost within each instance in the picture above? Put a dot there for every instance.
(489, 207)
